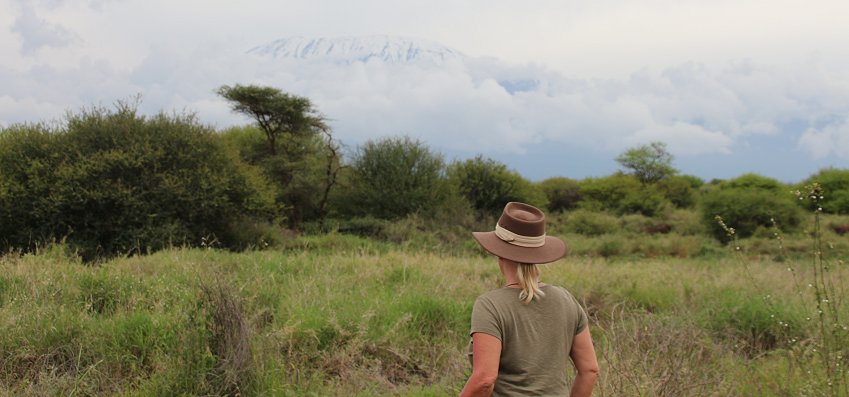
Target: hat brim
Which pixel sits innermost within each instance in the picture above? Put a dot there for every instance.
(553, 249)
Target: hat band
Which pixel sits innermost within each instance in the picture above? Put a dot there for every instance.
(518, 239)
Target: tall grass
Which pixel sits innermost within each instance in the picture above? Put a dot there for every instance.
(815, 335)
(340, 315)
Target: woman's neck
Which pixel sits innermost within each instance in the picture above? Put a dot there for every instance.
(508, 270)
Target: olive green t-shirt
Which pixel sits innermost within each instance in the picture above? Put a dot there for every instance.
(536, 338)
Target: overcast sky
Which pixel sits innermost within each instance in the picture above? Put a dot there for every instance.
(732, 86)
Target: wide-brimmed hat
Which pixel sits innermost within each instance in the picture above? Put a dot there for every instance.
(520, 236)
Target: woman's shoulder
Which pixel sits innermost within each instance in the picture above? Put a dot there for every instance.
(498, 293)
(559, 290)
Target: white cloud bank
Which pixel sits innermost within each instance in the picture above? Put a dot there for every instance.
(465, 106)
(480, 105)
(832, 140)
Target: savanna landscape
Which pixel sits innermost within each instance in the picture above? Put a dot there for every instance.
(155, 255)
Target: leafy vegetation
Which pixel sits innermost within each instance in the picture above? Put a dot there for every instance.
(563, 193)
(391, 178)
(292, 144)
(836, 183)
(649, 163)
(336, 314)
(749, 203)
(488, 185)
(362, 273)
(113, 181)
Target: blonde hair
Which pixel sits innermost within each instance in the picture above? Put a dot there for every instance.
(528, 275)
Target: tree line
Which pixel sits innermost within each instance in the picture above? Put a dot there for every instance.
(110, 181)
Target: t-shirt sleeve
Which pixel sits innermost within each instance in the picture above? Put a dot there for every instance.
(582, 318)
(579, 313)
(484, 319)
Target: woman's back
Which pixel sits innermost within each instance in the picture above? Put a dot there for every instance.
(536, 338)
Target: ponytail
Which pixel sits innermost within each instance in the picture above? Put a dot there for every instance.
(528, 275)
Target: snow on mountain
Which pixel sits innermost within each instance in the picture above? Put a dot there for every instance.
(347, 50)
(343, 51)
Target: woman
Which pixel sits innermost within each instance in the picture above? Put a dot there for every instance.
(524, 333)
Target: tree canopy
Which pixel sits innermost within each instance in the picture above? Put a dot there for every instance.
(649, 163)
(300, 155)
(275, 112)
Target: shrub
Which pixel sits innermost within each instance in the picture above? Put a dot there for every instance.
(753, 181)
(607, 193)
(299, 178)
(392, 178)
(621, 194)
(488, 185)
(635, 223)
(647, 201)
(684, 222)
(679, 190)
(112, 181)
(835, 186)
(563, 193)
(28, 161)
(591, 223)
(747, 209)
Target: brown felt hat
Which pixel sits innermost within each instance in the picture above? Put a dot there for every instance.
(520, 236)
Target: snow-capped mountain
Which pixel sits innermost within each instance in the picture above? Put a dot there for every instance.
(346, 50)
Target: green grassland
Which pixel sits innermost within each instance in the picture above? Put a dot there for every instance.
(342, 315)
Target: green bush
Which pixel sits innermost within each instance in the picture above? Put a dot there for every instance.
(113, 181)
(746, 209)
(488, 185)
(392, 178)
(563, 194)
(753, 181)
(299, 178)
(621, 194)
(28, 204)
(835, 186)
(607, 193)
(679, 190)
(591, 223)
(686, 222)
(647, 201)
(635, 223)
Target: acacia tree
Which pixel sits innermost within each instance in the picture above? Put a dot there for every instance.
(296, 137)
(649, 163)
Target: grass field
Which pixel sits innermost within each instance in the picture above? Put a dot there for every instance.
(341, 315)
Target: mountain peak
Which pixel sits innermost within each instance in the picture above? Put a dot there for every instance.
(351, 49)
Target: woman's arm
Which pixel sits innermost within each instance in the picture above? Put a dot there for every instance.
(583, 356)
(486, 353)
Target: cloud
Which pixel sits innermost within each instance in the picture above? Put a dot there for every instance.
(833, 139)
(481, 105)
(37, 33)
(27, 108)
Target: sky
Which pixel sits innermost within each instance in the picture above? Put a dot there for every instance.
(731, 86)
